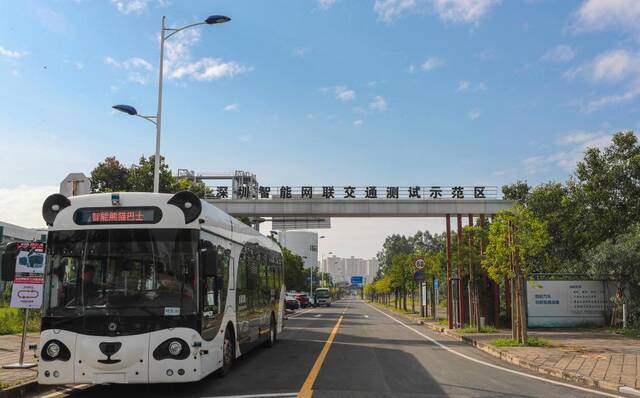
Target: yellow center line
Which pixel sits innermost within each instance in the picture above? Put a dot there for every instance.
(306, 390)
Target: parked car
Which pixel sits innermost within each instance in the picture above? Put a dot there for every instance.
(303, 299)
(290, 302)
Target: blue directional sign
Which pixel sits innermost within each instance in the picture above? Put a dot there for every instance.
(436, 284)
(357, 280)
(418, 276)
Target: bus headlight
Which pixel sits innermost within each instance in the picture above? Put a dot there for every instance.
(53, 350)
(175, 348)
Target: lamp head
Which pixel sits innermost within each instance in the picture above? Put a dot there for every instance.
(128, 109)
(216, 19)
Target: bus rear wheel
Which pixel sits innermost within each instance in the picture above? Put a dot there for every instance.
(273, 333)
(228, 353)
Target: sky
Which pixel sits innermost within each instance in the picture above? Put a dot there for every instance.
(316, 92)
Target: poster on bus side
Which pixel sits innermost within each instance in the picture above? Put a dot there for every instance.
(27, 292)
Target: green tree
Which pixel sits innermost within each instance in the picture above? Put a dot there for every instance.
(609, 181)
(518, 191)
(617, 259)
(185, 184)
(141, 176)
(294, 275)
(515, 240)
(110, 176)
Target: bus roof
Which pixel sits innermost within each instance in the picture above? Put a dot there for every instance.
(211, 218)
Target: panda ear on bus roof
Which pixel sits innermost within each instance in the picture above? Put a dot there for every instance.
(52, 206)
(189, 203)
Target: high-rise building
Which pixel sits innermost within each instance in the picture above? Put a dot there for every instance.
(302, 243)
(342, 269)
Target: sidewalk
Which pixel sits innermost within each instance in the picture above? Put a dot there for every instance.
(591, 357)
(10, 353)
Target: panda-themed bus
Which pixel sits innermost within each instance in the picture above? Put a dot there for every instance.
(153, 288)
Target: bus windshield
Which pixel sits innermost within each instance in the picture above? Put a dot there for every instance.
(121, 271)
(322, 293)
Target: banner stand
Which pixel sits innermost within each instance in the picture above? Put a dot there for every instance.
(20, 364)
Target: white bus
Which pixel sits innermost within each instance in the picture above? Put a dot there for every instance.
(153, 288)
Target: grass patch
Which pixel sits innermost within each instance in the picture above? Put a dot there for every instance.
(443, 322)
(635, 333)
(11, 320)
(533, 342)
(473, 329)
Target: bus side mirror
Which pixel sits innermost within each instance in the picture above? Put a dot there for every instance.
(8, 266)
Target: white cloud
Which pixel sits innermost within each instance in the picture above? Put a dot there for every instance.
(342, 93)
(431, 63)
(209, 69)
(459, 11)
(131, 63)
(465, 11)
(178, 62)
(10, 54)
(576, 137)
(378, 104)
(573, 145)
(559, 54)
(131, 6)
(138, 78)
(22, 205)
(474, 114)
(138, 68)
(232, 107)
(613, 99)
(388, 10)
(412, 68)
(325, 4)
(615, 66)
(612, 66)
(358, 123)
(594, 15)
(245, 137)
(463, 85)
(300, 52)
(482, 86)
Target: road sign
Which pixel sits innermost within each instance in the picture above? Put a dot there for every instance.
(418, 276)
(419, 263)
(436, 284)
(357, 280)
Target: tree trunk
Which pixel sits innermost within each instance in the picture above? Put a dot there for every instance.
(523, 312)
(514, 311)
(413, 301)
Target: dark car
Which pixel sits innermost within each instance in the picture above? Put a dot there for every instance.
(291, 303)
(303, 299)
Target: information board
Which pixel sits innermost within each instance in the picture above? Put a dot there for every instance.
(27, 292)
(566, 303)
(357, 280)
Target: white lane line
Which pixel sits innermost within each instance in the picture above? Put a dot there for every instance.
(317, 315)
(558, 383)
(300, 313)
(276, 395)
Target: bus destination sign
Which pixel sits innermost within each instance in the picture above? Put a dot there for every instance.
(122, 215)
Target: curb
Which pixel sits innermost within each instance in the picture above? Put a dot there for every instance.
(19, 390)
(514, 360)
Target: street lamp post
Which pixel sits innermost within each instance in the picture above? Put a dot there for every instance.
(165, 33)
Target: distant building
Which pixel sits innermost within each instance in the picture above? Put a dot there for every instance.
(342, 269)
(302, 243)
(12, 233)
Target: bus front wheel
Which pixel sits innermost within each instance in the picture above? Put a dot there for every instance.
(228, 353)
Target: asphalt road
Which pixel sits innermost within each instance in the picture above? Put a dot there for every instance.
(370, 355)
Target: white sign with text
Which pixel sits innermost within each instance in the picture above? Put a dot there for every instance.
(566, 303)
